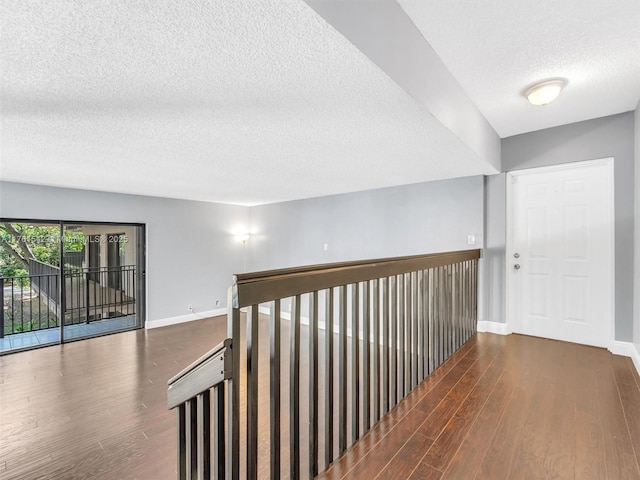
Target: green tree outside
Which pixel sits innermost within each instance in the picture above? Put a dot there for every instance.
(20, 242)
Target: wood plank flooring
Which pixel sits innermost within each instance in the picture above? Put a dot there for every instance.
(510, 407)
(97, 409)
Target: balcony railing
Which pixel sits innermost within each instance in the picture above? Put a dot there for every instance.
(32, 302)
(360, 336)
(99, 293)
(48, 289)
(24, 307)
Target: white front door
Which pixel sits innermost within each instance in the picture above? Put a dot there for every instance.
(560, 252)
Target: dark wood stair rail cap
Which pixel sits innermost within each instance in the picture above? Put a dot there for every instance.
(258, 287)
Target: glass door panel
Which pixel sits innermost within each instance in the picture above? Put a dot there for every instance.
(101, 289)
(30, 279)
(66, 281)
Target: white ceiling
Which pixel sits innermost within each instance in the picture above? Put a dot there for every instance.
(259, 101)
(243, 102)
(499, 48)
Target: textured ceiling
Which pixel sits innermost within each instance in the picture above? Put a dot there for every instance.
(234, 101)
(256, 101)
(497, 49)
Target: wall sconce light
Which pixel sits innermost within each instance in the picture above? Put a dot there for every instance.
(244, 238)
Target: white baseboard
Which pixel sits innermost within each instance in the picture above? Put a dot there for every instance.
(493, 327)
(164, 322)
(626, 349)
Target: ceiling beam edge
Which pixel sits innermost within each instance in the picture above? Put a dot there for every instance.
(383, 32)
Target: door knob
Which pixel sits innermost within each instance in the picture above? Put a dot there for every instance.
(516, 255)
(516, 266)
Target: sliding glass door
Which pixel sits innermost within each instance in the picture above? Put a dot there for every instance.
(30, 278)
(77, 280)
(101, 281)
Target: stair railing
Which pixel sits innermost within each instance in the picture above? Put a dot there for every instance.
(316, 356)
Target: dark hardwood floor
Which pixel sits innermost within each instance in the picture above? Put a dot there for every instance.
(511, 407)
(501, 408)
(97, 408)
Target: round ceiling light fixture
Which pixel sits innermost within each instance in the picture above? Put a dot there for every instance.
(544, 92)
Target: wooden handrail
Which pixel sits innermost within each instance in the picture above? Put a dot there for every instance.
(257, 287)
(406, 315)
(208, 371)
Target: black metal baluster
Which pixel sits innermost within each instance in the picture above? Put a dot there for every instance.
(376, 349)
(219, 412)
(454, 302)
(342, 371)
(294, 390)
(252, 392)
(22, 304)
(275, 379)
(233, 445)
(408, 290)
(475, 294)
(366, 355)
(385, 345)
(313, 384)
(393, 366)
(328, 399)
(39, 297)
(134, 291)
(443, 315)
(204, 435)
(414, 328)
(446, 312)
(193, 438)
(355, 361)
(420, 350)
(87, 297)
(436, 317)
(13, 304)
(182, 442)
(401, 337)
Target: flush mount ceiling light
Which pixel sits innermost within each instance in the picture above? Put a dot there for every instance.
(544, 92)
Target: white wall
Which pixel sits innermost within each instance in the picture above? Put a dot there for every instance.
(191, 252)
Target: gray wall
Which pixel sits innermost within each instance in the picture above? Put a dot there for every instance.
(636, 282)
(412, 219)
(191, 252)
(494, 250)
(611, 136)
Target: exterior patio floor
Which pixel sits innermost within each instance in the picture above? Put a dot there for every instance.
(51, 336)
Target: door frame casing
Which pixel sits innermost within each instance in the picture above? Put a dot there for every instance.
(512, 319)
